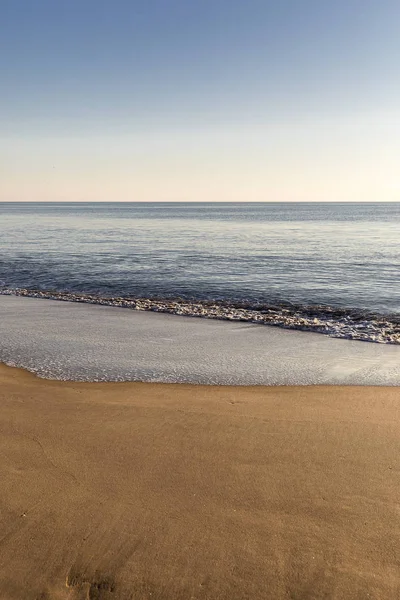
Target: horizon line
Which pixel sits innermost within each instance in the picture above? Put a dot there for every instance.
(200, 201)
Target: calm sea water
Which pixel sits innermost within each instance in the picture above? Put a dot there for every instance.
(340, 259)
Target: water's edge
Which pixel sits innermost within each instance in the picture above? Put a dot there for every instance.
(343, 323)
(88, 342)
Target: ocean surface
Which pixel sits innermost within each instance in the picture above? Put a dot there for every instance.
(322, 267)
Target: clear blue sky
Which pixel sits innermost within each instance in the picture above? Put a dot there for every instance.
(208, 100)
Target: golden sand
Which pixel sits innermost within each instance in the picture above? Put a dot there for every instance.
(159, 491)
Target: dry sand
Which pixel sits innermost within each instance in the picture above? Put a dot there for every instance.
(159, 491)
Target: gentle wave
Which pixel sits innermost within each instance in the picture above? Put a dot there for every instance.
(334, 322)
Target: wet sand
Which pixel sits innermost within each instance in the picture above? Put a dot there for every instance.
(166, 491)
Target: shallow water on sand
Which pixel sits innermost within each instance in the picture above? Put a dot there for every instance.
(61, 340)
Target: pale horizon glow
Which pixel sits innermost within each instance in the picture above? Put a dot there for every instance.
(227, 101)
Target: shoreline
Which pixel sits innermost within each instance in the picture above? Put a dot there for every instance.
(338, 323)
(24, 372)
(83, 342)
(139, 490)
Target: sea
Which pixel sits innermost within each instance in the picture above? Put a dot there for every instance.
(331, 268)
(210, 293)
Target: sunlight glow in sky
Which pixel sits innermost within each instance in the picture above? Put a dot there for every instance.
(219, 100)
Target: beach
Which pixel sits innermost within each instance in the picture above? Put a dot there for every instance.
(199, 401)
(199, 300)
(141, 490)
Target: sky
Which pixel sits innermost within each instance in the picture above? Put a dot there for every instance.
(207, 100)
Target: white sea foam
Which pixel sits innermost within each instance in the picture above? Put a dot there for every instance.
(62, 340)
